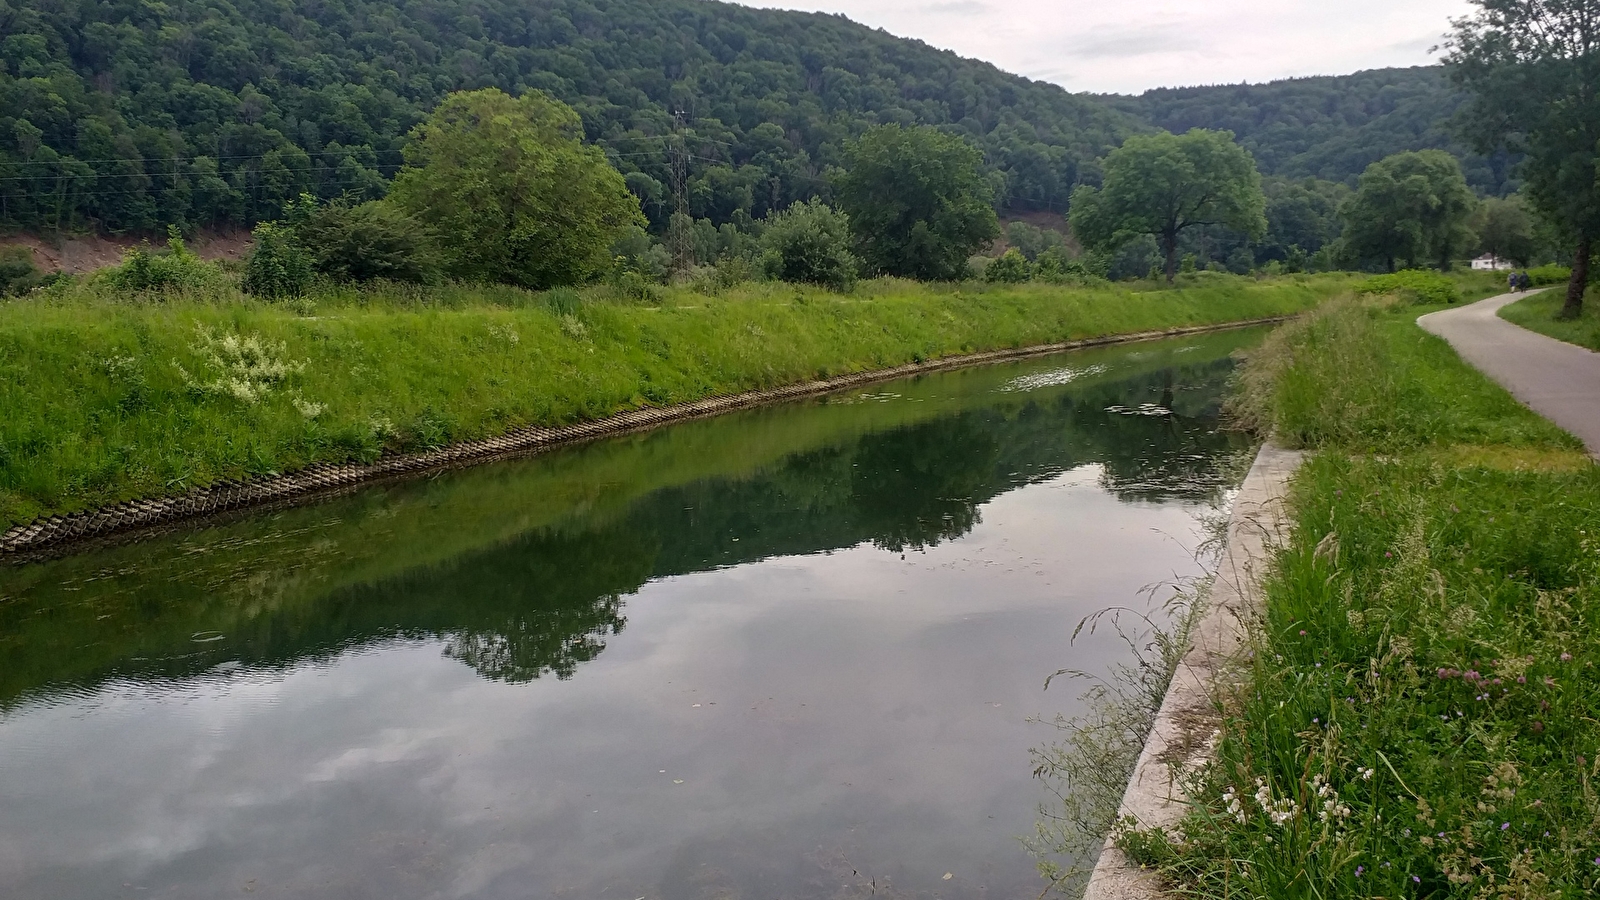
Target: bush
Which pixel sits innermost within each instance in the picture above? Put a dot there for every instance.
(368, 242)
(1416, 285)
(809, 243)
(18, 275)
(175, 269)
(1551, 274)
(279, 267)
(1011, 268)
(1055, 266)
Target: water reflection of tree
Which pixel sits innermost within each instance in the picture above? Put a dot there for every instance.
(549, 604)
(914, 487)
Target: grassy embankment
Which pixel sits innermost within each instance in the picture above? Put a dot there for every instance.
(109, 399)
(1421, 713)
(1540, 313)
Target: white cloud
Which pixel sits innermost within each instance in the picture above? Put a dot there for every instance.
(1129, 47)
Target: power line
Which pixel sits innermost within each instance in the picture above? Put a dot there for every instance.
(93, 175)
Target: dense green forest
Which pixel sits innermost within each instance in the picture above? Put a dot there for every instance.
(127, 117)
(1329, 127)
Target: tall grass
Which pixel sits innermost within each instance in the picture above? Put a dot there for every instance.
(1420, 715)
(108, 396)
(1359, 375)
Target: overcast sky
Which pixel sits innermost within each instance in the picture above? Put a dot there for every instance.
(1128, 46)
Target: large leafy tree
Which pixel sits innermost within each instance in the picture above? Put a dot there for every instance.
(1533, 69)
(511, 193)
(919, 201)
(1410, 206)
(1164, 184)
(1505, 229)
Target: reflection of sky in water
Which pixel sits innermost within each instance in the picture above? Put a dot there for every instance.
(775, 714)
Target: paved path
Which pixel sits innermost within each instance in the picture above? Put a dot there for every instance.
(1557, 380)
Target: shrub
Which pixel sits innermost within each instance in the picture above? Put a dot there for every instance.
(18, 275)
(1055, 266)
(1416, 285)
(175, 269)
(629, 284)
(809, 243)
(279, 267)
(729, 273)
(368, 242)
(1550, 274)
(1011, 268)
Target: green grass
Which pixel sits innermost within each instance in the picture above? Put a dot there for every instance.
(1541, 313)
(1420, 706)
(106, 398)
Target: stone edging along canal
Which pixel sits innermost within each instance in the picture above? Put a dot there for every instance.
(1184, 735)
(59, 534)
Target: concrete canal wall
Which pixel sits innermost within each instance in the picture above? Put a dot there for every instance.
(1186, 727)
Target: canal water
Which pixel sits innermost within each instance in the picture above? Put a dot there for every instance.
(793, 652)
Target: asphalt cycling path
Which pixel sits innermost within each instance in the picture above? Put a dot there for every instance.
(1557, 380)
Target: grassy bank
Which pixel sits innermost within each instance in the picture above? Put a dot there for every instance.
(107, 399)
(1541, 313)
(1420, 715)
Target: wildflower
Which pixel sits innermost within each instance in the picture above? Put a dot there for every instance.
(1359, 870)
(1416, 879)
(1565, 657)
(1367, 773)
(1505, 825)
(1302, 632)
(1235, 809)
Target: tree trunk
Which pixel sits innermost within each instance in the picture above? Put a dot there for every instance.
(1169, 244)
(1579, 281)
(1391, 265)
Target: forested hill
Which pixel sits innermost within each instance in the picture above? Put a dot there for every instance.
(1328, 127)
(128, 115)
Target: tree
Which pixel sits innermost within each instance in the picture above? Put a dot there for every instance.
(1010, 268)
(278, 266)
(809, 243)
(918, 200)
(368, 241)
(511, 193)
(1163, 184)
(1301, 214)
(1410, 206)
(1533, 69)
(1505, 229)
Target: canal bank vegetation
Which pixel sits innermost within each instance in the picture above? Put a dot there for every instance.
(110, 397)
(1417, 716)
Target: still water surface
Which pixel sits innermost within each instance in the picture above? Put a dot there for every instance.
(787, 653)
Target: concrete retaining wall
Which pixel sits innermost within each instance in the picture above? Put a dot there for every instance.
(1186, 728)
